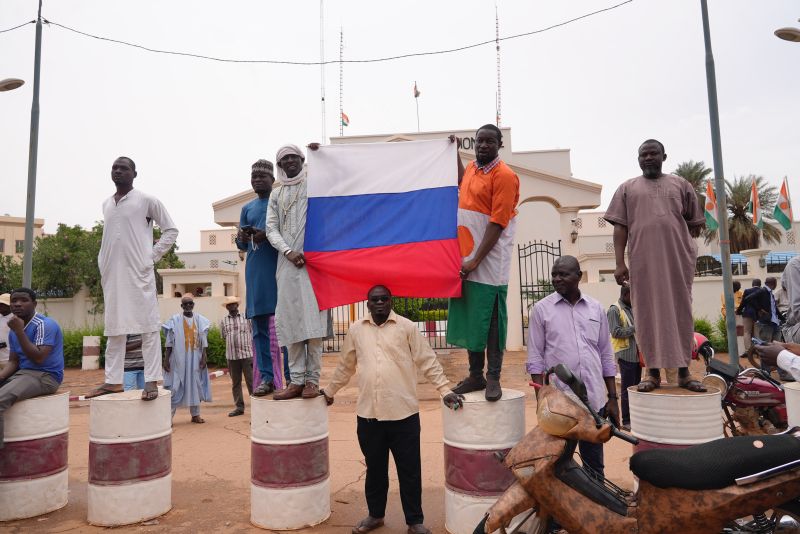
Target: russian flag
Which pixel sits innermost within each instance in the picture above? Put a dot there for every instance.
(382, 213)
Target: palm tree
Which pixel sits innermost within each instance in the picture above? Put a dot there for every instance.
(742, 232)
(696, 173)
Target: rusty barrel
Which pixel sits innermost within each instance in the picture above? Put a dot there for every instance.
(289, 478)
(33, 463)
(675, 418)
(130, 458)
(474, 477)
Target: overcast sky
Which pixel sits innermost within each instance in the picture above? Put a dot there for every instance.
(598, 86)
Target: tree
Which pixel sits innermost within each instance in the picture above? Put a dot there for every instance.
(742, 232)
(67, 260)
(696, 173)
(10, 274)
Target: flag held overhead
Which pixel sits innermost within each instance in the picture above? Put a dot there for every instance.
(783, 207)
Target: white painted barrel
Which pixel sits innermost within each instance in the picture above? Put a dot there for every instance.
(33, 463)
(91, 353)
(474, 478)
(130, 458)
(792, 390)
(674, 417)
(289, 467)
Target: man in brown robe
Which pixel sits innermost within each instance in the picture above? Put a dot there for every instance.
(656, 216)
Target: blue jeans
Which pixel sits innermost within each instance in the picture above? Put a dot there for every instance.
(133, 380)
(261, 342)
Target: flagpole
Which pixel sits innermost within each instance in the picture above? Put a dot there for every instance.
(416, 101)
(722, 203)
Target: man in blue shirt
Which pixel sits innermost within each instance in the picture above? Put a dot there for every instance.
(262, 260)
(36, 355)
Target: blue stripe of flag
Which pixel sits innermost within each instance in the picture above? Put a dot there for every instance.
(378, 220)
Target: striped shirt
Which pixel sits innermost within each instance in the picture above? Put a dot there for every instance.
(623, 332)
(238, 336)
(134, 361)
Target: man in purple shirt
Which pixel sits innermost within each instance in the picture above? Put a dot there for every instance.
(570, 328)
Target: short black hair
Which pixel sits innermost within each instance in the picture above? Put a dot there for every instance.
(28, 291)
(656, 141)
(376, 287)
(494, 128)
(133, 163)
(756, 282)
(737, 285)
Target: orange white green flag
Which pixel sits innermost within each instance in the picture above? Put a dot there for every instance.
(754, 206)
(783, 207)
(711, 207)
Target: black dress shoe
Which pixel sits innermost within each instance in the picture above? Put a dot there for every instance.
(236, 412)
(470, 384)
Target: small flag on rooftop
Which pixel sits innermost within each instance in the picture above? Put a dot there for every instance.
(345, 119)
(783, 208)
(711, 207)
(416, 91)
(754, 206)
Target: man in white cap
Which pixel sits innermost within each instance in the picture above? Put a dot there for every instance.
(127, 272)
(262, 260)
(5, 315)
(238, 338)
(300, 325)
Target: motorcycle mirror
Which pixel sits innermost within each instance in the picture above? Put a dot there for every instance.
(575, 384)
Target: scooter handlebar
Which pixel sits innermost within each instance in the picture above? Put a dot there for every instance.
(623, 436)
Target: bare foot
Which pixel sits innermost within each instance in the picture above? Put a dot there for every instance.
(197, 419)
(150, 391)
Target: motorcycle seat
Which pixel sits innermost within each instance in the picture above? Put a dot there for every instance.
(716, 464)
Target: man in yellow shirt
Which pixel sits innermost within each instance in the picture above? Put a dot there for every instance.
(737, 297)
(388, 350)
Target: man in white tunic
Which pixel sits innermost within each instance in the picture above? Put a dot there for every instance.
(299, 323)
(127, 258)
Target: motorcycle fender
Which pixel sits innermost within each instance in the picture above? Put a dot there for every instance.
(511, 503)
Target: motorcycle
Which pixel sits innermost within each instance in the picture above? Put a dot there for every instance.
(700, 489)
(752, 401)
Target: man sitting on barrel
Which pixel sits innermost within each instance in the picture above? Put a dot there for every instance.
(36, 354)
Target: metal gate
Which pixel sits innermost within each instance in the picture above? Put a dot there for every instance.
(535, 263)
(430, 315)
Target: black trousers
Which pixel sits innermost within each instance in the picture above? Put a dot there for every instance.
(630, 375)
(236, 368)
(376, 439)
(494, 354)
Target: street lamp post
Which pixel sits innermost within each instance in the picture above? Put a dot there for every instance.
(719, 186)
(33, 154)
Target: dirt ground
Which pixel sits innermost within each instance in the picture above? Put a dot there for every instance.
(211, 462)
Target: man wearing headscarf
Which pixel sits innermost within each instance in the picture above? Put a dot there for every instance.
(299, 323)
(262, 260)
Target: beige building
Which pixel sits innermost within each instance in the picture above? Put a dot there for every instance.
(12, 235)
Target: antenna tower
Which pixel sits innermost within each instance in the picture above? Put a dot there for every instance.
(497, 45)
(341, 82)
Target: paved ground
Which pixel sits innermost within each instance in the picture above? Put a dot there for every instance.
(211, 462)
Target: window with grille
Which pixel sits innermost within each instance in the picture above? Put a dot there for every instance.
(790, 238)
(214, 264)
(20, 246)
(233, 239)
(2, 246)
(609, 247)
(601, 222)
(578, 223)
(212, 239)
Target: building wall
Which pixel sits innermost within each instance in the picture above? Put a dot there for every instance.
(12, 234)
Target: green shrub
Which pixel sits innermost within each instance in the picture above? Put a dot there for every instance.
(216, 348)
(719, 339)
(409, 308)
(703, 326)
(432, 315)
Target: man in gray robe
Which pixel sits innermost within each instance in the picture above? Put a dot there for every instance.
(299, 323)
(656, 216)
